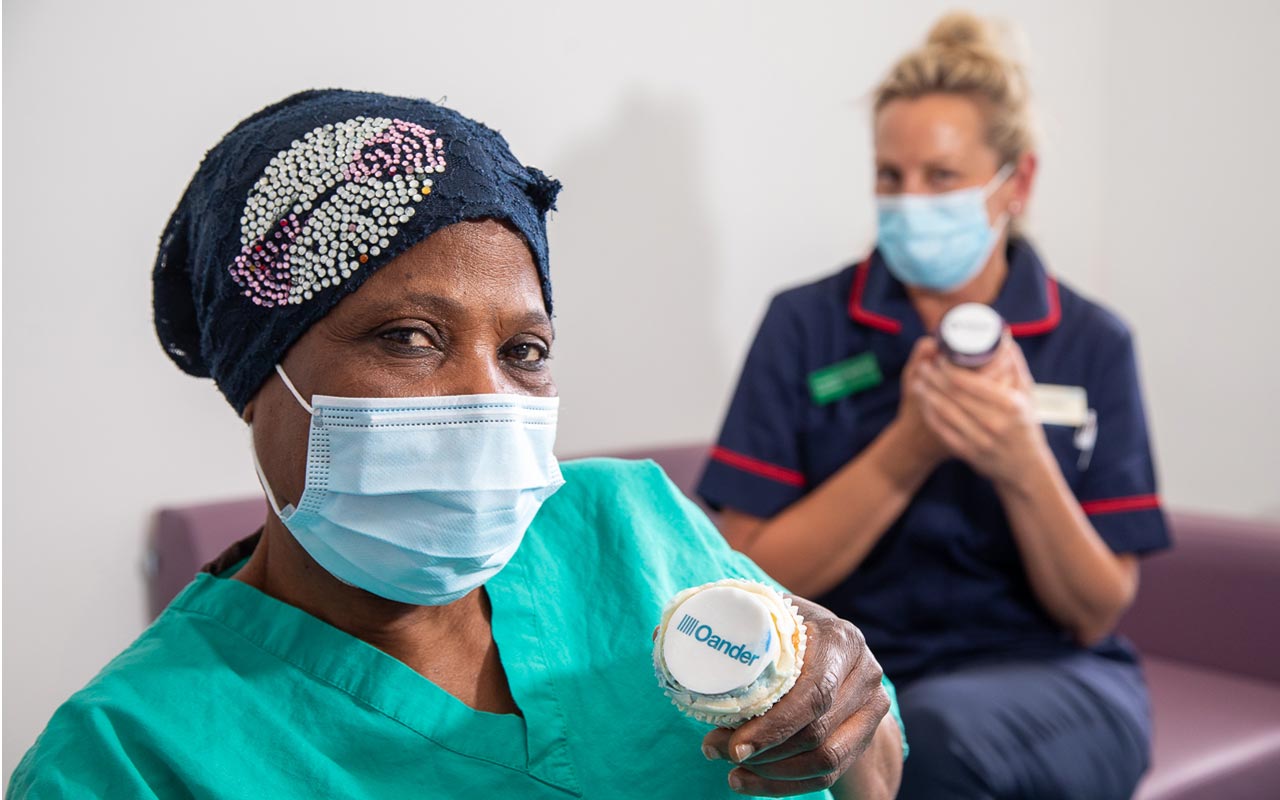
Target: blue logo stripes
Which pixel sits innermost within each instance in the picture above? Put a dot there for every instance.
(688, 625)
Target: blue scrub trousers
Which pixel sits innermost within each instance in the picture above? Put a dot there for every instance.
(1075, 726)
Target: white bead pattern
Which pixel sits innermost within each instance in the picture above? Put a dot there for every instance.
(329, 203)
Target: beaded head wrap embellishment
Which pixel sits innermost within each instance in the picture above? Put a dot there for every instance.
(301, 202)
(328, 203)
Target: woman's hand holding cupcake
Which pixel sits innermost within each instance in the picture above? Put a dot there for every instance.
(819, 728)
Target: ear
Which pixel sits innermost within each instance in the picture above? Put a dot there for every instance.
(1024, 178)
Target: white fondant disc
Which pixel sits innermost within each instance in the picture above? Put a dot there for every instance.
(719, 640)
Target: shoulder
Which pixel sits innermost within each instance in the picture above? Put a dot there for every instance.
(111, 735)
(805, 325)
(1087, 318)
(828, 293)
(623, 493)
(625, 517)
(612, 479)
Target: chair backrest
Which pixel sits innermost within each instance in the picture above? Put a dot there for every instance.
(683, 464)
(1214, 598)
(185, 538)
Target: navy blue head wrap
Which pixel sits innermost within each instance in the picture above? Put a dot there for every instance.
(303, 201)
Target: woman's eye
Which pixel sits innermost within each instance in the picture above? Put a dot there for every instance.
(409, 337)
(527, 354)
(942, 177)
(886, 178)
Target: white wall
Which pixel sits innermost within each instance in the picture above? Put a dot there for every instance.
(712, 153)
(1191, 255)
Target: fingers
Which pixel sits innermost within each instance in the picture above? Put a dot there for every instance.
(858, 693)
(976, 389)
(993, 406)
(926, 347)
(818, 767)
(973, 417)
(923, 351)
(962, 437)
(816, 731)
(1021, 371)
(833, 650)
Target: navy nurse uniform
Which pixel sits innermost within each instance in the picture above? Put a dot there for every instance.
(994, 693)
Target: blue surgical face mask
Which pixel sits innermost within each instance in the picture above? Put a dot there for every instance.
(421, 500)
(939, 241)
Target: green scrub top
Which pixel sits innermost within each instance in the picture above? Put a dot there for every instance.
(231, 693)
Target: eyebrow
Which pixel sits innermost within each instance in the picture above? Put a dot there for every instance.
(448, 307)
(933, 162)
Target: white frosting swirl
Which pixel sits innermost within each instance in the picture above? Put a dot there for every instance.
(730, 709)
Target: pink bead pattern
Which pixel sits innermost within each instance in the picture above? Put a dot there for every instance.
(329, 203)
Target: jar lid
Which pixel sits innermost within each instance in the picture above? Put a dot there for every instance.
(971, 329)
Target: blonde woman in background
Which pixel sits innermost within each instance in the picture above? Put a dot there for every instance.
(986, 556)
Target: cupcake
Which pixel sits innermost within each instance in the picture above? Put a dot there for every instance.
(727, 651)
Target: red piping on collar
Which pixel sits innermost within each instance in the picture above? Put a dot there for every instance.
(757, 467)
(1051, 318)
(860, 314)
(890, 325)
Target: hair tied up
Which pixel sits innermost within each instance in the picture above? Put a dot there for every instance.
(962, 29)
(974, 57)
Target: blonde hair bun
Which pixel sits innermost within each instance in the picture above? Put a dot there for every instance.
(963, 29)
(971, 56)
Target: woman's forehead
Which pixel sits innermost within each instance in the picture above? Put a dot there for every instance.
(933, 126)
(465, 268)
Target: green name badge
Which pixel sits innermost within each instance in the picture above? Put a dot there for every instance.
(844, 378)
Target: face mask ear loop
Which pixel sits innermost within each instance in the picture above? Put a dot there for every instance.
(999, 180)
(289, 384)
(262, 477)
(991, 188)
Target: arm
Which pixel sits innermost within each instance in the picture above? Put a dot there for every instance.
(814, 543)
(878, 772)
(986, 417)
(1074, 574)
(1084, 585)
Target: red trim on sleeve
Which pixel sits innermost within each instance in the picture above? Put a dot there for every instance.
(1050, 319)
(757, 467)
(860, 314)
(1140, 502)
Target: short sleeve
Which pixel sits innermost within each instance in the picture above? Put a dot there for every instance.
(1118, 488)
(755, 466)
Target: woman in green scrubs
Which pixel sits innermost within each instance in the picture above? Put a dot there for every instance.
(434, 608)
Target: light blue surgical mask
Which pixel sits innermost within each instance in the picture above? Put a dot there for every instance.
(421, 500)
(939, 241)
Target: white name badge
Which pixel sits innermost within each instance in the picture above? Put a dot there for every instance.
(1060, 405)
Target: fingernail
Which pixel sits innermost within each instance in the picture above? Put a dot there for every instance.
(735, 782)
(741, 752)
(710, 752)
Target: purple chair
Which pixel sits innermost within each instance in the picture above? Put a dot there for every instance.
(185, 538)
(1205, 619)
